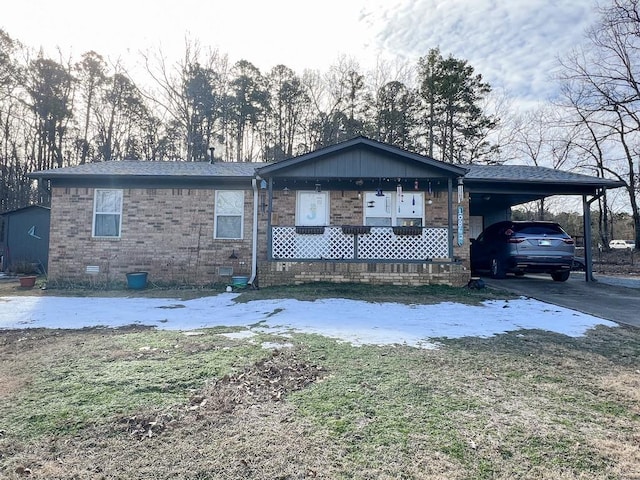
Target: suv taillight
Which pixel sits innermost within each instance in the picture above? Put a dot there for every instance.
(515, 240)
(568, 241)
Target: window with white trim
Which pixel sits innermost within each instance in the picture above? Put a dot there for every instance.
(393, 210)
(229, 214)
(312, 208)
(107, 213)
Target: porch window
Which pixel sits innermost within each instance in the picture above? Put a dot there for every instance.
(312, 209)
(107, 213)
(393, 210)
(229, 214)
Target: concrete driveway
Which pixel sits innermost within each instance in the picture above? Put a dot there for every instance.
(611, 298)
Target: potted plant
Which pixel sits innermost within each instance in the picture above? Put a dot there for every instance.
(27, 281)
(26, 272)
(137, 280)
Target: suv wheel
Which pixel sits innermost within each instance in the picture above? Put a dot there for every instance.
(561, 276)
(497, 269)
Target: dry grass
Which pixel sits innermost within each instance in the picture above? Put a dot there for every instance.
(137, 403)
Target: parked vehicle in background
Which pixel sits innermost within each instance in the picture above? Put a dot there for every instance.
(622, 244)
(521, 247)
(579, 264)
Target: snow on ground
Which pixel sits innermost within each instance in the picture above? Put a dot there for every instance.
(353, 321)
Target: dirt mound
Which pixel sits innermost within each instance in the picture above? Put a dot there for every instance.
(268, 380)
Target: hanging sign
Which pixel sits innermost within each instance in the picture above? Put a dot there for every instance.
(460, 226)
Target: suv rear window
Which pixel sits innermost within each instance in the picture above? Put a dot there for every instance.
(533, 229)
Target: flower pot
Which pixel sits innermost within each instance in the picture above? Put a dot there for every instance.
(239, 281)
(28, 281)
(407, 230)
(303, 230)
(137, 280)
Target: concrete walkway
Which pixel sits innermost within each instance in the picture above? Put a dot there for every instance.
(611, 298)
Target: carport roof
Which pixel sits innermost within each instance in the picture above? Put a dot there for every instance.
(517, 184)
(481, 174)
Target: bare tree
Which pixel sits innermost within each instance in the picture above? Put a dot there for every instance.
(601, 89)
(92, 75)
(190, 97)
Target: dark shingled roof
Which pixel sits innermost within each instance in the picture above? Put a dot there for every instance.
(131, 169)
(532, 174)
(137, 168)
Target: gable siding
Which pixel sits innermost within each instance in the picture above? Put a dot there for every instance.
(360, 163)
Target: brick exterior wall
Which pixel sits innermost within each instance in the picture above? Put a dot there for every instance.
(347, 209)
(169, 233)
(166, 232)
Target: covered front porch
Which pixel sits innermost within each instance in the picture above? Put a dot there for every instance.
(363, 212)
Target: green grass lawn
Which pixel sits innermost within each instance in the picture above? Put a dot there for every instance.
(139, 403)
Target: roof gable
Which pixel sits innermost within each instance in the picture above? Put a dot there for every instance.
(361, 158)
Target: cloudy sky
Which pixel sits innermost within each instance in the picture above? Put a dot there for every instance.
(512, 43)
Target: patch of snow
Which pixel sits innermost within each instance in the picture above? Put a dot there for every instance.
(356, 322)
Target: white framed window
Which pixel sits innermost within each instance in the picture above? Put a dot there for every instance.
(107, 213)
(312, 209)
(229, 214)
(393, 210)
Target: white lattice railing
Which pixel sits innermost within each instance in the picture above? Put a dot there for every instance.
(380, 243)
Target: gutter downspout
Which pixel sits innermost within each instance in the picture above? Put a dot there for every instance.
(254, 242)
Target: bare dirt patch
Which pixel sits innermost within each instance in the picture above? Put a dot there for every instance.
(617, 262)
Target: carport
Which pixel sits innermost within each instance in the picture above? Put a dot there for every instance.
(495, 189)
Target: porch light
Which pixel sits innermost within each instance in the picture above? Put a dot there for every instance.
(285, 191)
(318, 187)
(379, 193)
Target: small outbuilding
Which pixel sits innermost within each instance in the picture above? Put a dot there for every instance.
(24, 239)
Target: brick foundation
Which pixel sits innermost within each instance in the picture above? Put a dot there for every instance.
(293, 273)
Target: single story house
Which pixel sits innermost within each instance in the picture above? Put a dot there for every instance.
(24, 239)
(358, 211)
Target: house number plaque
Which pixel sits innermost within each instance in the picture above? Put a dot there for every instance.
(460, 226)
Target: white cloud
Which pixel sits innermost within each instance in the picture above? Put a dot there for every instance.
(512, 43)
